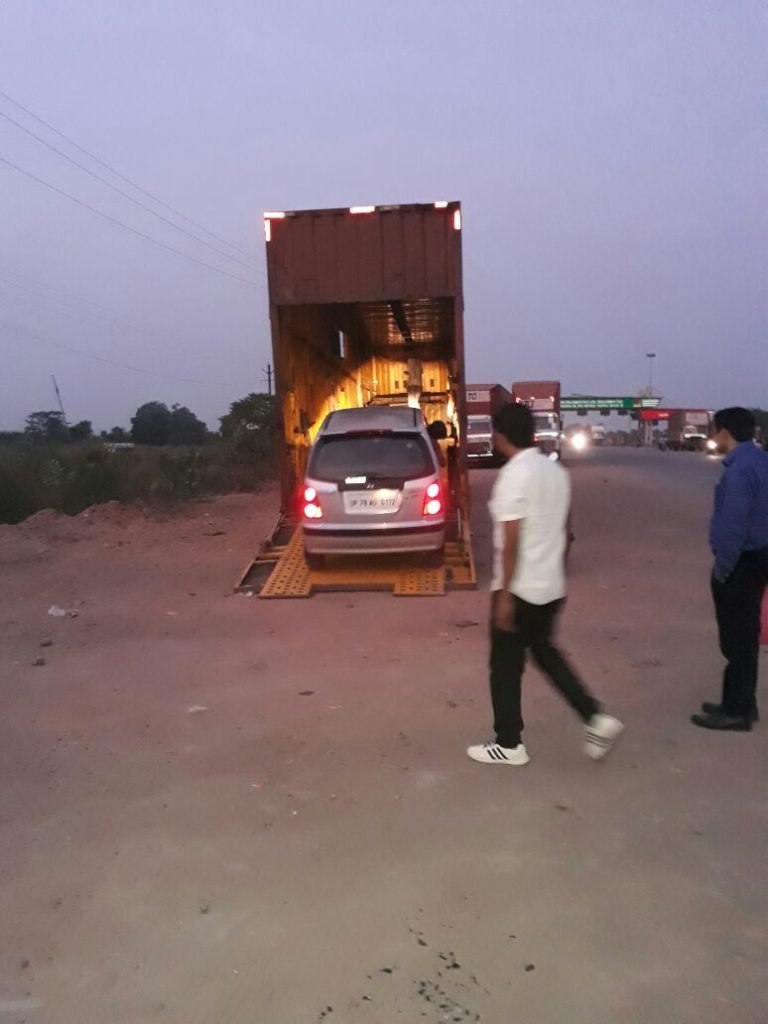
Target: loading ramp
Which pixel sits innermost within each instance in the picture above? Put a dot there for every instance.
(280, 570)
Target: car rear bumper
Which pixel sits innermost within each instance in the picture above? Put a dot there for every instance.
(342, 540)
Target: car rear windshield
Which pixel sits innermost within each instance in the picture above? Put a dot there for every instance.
(374, 456)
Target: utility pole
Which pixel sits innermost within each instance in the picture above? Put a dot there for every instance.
(268, 372)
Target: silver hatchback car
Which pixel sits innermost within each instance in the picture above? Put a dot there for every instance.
(373, 486)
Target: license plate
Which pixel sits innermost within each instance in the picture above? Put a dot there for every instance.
(372, 503)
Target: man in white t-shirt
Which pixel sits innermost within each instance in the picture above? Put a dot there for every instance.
(529, 506)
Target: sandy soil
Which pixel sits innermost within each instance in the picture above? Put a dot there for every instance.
(220, 809)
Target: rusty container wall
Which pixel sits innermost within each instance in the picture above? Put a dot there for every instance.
(353, 297)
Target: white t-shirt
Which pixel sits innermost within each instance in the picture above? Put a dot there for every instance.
(536, 490)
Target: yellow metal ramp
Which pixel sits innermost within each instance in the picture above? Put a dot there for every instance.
(281, 571)
(460, 564)
(290, 576)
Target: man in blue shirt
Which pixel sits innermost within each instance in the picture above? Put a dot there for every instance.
(738, 537)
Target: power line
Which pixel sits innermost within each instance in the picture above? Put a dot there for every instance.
(15, 329)
(123, 177)
(119, 223)
(98, 315)
(37, 300)
(76, 302)
(68, 299)
(91, 318)
(69, 302)
(121, 192)
(118, 324)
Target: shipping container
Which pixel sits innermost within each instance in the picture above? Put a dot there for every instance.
(483, 402)
(366, 307)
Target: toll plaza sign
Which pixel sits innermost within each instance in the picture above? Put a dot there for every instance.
(586, 403)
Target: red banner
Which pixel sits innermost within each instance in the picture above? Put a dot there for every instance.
(649, 415)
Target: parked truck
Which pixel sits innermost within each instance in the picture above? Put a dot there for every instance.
(688, 430)
(483, 402)
(543, 398)
(366, 308)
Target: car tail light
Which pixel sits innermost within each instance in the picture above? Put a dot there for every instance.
(433, 505)
(312, 508)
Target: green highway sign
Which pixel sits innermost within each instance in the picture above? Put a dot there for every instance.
(598, 402)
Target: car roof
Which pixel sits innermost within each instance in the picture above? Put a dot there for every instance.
(374, 417)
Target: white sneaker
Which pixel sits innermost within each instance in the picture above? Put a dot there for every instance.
(602, 732)
(492, 753)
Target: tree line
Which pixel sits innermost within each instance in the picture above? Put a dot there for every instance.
(155, 424)
(250, 420)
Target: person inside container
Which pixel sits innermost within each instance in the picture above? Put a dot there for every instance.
(438, 432)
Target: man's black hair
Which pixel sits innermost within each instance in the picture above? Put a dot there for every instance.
(437, 430)
(738, 422)
(515, 423)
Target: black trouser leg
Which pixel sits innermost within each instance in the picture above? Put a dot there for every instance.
(507, 664)
(536, 623)
(533, 629)
(737, 606)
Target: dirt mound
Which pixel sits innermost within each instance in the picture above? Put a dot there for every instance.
(41, 520)
(112, 514)
(109, 510)
(31, 539)
(113, 523)
(16, 547)
(47, 525)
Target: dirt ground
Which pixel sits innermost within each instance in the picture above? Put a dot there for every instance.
(221, 810)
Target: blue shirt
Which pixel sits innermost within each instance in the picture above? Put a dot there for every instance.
(740, 519)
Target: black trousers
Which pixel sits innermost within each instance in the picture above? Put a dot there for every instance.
(533, 627)
(737, 606)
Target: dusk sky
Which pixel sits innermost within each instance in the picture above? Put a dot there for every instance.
(611, 157)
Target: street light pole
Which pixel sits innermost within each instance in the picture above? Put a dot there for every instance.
(650, 356)
(648, 438)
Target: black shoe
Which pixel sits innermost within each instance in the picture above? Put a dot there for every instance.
(722, 722)
(710, 708)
